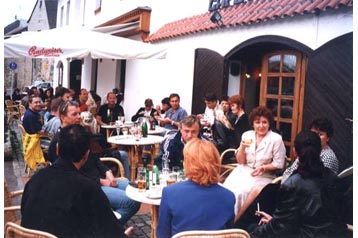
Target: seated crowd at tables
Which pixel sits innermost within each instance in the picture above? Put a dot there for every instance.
(302, 207)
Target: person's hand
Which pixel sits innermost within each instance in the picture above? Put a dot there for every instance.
(129, 231)
(112, 180)
(105, 182)
(258, 171)
(265, 217)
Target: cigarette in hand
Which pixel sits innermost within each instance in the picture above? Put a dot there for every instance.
(258, 207)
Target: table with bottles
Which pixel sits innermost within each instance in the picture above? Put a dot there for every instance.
(151, 193)
(135, 145)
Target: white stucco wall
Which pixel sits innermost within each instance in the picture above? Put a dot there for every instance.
(159, 78)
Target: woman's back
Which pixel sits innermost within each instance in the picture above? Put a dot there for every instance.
(190, 206)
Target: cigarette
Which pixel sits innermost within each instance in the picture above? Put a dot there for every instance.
(258, 207)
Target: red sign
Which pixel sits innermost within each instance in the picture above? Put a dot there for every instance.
(49, 52)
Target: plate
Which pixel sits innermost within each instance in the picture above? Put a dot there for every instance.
(154, 195)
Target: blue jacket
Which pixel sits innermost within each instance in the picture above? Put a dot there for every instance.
(189, 206)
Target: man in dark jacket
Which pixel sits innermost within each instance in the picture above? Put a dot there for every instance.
(62, 201)
(171, 149)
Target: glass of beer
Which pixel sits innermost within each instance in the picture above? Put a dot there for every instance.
(171, 179)
(141, 179)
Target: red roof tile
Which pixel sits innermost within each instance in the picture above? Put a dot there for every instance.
(249, 12)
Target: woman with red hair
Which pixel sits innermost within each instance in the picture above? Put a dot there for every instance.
(199, 203)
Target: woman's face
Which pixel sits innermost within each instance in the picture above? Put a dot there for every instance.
(235, 108)
(261, 125)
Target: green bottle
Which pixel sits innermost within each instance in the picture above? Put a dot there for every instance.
(155, 175)
(144, 128)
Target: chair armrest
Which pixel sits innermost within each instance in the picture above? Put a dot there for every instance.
(12, 208)
(119, 164)
(16, 193)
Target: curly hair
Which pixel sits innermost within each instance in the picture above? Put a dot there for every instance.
(261, 111)
(202, 162)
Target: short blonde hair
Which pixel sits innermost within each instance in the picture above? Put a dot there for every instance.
(202, 162)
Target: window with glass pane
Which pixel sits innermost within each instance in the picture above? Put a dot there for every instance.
(286, 108)
(272, 104)
(289, 63)
(288, 86)
(272, 85)
(274, 63)
(285, 129)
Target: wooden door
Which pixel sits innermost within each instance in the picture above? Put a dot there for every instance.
(208, 77)
(282, 90)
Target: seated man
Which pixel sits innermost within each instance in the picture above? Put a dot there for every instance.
(95, 169)
(61, 200)
(171, 149)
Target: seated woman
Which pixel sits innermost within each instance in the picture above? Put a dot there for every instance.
(260, 154)
(198, 203)
(324, 128)
(306, 203)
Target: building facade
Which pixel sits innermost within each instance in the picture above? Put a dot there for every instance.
(296, 57)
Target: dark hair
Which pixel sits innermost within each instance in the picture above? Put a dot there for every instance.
(55, 104)
(211, 97)
(237, 99)
(174, 95)
(322, 124)
(308, 148)
(60, 91)
(32, 96)
(148, 102)
(224, 98)
(74, 142)
(261, 111)
(166, 100)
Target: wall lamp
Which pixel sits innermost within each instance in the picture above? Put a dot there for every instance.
(216, 18)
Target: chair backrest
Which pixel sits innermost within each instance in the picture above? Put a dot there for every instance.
(13, 230)
(22, 129)
(119, 166)
(9, 216)
(239, 233)
(345, 173)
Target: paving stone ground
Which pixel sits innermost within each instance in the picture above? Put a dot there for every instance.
(16, 178)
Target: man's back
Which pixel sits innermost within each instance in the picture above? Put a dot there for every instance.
(64, 202)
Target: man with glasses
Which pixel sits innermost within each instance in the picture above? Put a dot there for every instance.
(96, 170)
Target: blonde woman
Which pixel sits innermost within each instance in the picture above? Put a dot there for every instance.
(199, 203)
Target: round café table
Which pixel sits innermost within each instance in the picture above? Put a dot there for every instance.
(135, 147)
(144, 197)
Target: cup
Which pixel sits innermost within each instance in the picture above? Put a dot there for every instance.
(141, 179)
(247, 141)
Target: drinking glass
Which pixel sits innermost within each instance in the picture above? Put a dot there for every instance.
(171, 179)
(141, 179)
(176, 172)
(125, 131)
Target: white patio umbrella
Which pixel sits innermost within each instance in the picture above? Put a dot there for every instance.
(78, 43)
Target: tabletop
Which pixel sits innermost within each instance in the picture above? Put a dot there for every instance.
(143, 197)
(158, 130)
(130, 140)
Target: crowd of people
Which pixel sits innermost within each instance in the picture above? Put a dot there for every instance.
(77, 180)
